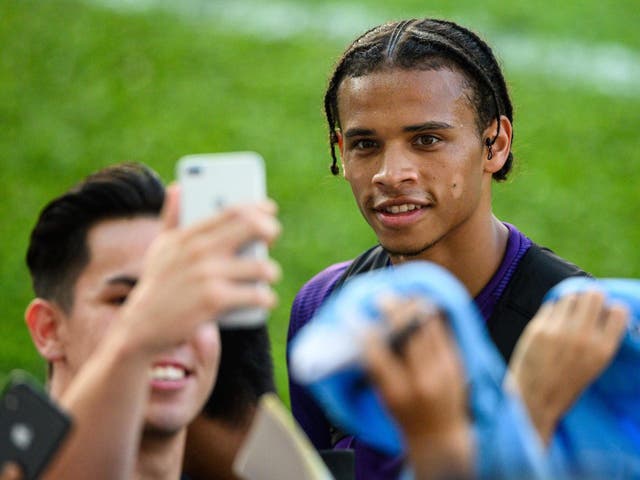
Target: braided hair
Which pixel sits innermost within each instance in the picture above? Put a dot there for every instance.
(427, 44)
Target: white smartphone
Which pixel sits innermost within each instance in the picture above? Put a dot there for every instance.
(209, 182)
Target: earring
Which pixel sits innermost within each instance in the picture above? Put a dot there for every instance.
(489, 145)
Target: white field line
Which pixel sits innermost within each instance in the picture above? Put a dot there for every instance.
(609, 68)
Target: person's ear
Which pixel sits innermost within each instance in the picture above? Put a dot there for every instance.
(496, 149)
(44, 320)
(171, 207)
(340, 140)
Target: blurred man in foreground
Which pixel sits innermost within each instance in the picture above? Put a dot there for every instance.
(124, 316)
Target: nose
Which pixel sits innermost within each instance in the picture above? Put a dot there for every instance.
(396, 167)
(181, 351)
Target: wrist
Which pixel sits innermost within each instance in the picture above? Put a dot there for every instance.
(121, 346)
(446, 454)
(541, 411)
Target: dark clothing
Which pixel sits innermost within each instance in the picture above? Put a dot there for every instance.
(507, 303)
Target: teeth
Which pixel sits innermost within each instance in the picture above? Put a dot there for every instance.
(406, 207)
(167, 373)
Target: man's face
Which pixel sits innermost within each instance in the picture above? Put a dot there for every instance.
(182, 378)
(414, 158)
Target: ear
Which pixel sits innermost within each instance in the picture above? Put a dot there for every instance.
(500, 148)
(44, 320)
(340, 139)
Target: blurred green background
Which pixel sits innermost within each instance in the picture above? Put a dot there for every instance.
(85, 84)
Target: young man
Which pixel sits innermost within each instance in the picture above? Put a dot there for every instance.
(422, 118)
(124, 316)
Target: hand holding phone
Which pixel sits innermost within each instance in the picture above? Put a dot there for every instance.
(31, 426)
(211, 182)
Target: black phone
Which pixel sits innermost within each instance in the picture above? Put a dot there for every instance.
(32, 427)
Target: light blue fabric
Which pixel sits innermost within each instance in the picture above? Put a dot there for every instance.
(599, 437)
(507, 446)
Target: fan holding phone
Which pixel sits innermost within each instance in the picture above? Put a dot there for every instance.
(125, 298)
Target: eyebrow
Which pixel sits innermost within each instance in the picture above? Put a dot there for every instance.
(123, 280)
(359, 132)
(422, 127)
(428, 126)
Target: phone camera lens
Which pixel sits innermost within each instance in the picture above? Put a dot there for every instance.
(11, 402)
(21, 436)
(194, 170)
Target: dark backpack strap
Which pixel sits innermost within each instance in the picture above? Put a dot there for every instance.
(373, 259)
(538, 271)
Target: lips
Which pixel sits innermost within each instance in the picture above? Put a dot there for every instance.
(168, 375)
(168, 372)
(400, 204)
(399, 212)
(402, 208)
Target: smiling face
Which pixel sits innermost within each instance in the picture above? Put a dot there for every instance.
(180, 379)
(415, 159)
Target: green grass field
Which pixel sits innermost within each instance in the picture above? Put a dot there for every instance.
(85, 84)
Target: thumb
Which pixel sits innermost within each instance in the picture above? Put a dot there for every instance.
(171, 207)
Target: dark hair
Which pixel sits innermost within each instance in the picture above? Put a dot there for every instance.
(57, 249)
(245, 374)
(427, 44)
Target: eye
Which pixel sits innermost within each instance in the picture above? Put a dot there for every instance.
(364, 144)
(426, 140)
(117, 299)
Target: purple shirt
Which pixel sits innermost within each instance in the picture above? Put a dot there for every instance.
(371, 464)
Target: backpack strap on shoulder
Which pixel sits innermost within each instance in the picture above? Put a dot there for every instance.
(373, 259)
(538, 271)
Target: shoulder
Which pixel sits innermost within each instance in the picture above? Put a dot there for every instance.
(537, 272)
(313, 293)
(543, 267)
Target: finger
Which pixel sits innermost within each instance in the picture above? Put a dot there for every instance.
(401, 335)
(226, 296)
(171, 207)
(615, 323)
(434, 343)
(562, 311)
(388, 303)
(543, 314)
(588, 310)
(268, 206)
(235, 227)
(385, 370)
(405, 311)
(245, 269)
(10, 471)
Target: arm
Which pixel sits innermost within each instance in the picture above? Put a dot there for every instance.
(421, 381)
(562, 350)
(190, 276)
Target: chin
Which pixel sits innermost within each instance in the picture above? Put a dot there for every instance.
(168, 420)
(164, 426)
(404, 250)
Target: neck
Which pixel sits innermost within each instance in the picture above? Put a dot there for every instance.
(472, 252)
(160, 456)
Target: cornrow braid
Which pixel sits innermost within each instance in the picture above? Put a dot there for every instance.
(426, 44)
